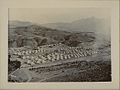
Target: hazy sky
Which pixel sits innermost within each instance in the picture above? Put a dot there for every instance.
(53, 15)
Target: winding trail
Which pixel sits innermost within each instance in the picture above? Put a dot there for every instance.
(13, 72)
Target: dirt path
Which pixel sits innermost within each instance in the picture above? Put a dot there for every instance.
(13, 72)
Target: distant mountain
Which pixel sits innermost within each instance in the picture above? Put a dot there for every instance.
(16, 23)
(90, 24)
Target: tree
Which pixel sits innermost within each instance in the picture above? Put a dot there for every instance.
(44, 41)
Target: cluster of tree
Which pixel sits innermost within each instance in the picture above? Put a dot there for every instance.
(13, 65)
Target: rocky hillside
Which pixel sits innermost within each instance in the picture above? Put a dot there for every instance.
(36, 35)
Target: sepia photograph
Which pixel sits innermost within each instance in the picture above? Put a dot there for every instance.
(59, 45)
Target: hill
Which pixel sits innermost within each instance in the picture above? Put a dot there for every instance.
(37, 35)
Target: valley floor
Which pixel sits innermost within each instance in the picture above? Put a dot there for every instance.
(89, 69)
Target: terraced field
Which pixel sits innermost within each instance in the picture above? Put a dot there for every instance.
(87, 69)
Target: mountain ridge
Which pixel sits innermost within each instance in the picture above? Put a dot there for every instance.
(90, 24)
